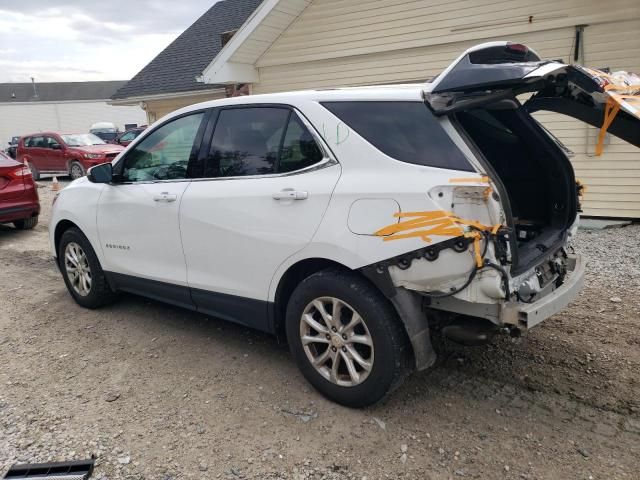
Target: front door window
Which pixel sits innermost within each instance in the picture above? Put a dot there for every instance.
(164, 154)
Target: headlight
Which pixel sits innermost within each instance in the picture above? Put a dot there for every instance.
(92, 155)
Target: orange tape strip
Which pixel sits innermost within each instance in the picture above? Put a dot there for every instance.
(437, 222)
(610, 111)
(482, 179)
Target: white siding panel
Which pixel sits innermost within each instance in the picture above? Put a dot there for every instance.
(23, 118)
(409, 65)
(268, 30)
(330, 29)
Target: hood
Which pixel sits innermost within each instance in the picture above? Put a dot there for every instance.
(105, 149)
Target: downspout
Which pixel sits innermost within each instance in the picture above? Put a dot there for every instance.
(35, 89)
(578, 57)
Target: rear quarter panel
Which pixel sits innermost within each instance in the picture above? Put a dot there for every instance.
(370, 174)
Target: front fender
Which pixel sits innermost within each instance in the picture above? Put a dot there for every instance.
(77, 203)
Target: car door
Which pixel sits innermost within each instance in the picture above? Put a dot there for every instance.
(56, 160)
(137, 219)
(37, 153)
(267, 181)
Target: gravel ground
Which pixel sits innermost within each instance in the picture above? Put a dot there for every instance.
(158, 392)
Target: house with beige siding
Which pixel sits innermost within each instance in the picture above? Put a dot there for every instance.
(309, 44)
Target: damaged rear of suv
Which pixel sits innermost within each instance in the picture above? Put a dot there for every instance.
(492, 242)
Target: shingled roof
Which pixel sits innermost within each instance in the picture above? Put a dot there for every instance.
(58, 91)
(175, 69)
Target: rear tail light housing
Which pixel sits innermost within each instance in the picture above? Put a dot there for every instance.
(20, 172)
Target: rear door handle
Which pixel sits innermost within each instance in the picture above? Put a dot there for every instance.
(290, 194)
(165, 197)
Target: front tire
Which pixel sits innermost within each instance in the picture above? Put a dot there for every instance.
(26, 223)
(76, 170)
(347, 338)
(82, 272)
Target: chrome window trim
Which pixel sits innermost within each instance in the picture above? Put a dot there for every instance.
(324, 163)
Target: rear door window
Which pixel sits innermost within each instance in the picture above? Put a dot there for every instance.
(405, 131)
(260, 141)
(299, 149)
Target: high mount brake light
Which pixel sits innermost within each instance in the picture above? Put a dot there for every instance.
(517, 48)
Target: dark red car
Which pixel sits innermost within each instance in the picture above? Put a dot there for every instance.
(19, 203)
(129, 136)
(64, 153)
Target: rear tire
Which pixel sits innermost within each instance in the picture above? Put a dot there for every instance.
(26, 223)
(76, 170)
(367, 341)
(82, 272)
(35, 173)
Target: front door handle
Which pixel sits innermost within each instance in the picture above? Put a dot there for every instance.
(165, 197)
(290, 194)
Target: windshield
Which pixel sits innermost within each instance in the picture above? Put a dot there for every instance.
(81, 140)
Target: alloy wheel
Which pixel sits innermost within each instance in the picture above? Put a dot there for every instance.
(78, 270)
(336, 341)
(76, 171)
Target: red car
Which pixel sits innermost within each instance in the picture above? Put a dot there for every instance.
(19, 203)
(129, 136)
(64, 153)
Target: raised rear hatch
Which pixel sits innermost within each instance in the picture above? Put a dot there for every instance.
(479, 92)
(490, 71)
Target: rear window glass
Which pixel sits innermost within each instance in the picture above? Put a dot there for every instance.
(406, 131)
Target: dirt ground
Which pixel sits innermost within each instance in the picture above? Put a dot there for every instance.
(158, 392)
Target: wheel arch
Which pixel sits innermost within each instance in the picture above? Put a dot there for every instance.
(61, 227)
(408, 305)
(289, 280)
(72, 160)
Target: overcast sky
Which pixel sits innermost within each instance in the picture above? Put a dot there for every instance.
(79, 40)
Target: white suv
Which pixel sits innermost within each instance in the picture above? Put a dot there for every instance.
(353, 222)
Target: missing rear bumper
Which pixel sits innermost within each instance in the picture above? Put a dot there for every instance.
(525, 316)
(522, 315)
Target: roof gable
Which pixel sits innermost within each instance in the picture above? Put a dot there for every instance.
(176, 68)
(235, 62)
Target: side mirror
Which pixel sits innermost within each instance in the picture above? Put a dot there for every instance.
(56, 146)
(102, 173)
